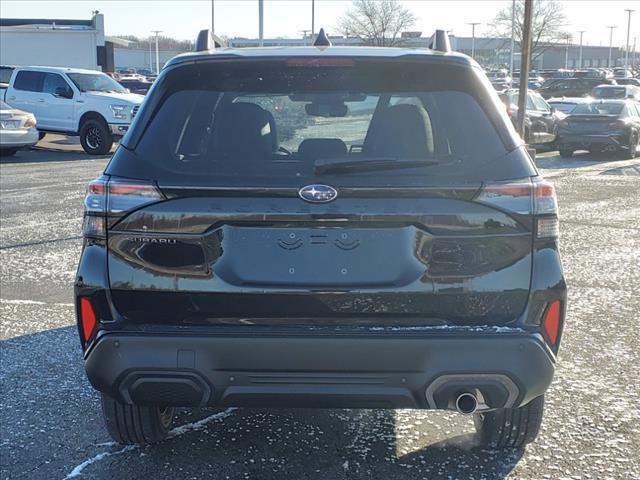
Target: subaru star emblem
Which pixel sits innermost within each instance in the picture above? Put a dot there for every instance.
(318, 193)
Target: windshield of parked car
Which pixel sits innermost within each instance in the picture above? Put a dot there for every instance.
(95, 82)
(265, 123)
(598, 109)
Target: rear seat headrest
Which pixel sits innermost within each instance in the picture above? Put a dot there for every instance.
(315, 148)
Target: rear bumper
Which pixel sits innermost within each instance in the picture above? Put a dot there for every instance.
(22, 137)
(612, 141)
(413, 370)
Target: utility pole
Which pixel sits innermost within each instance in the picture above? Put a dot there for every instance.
(581, 32)
(473, 38)
(313, 18)
(260, 23)
(150, 56)
(566, 51)
(524, 66)
(213, 23)
(626, 56)
(610, 27)
(513, 34)
(157, 52)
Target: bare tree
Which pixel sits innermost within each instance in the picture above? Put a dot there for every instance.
(377, 23)
(547, 26)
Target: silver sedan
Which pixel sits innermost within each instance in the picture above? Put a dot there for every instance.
(17, 129)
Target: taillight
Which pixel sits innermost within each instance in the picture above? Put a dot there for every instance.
(30, 122)
(617, 124)
(545, 208)
(512, 196)
(525, 197)
(551, 322)
(108, 199)
(88, 319)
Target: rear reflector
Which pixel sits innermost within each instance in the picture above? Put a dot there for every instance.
(551, 322)
(88, 320)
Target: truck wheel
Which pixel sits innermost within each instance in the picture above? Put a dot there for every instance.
(633, 147)
(7, 152)
(95, 137)
(565, 152)
(510, 427)
(130, 424)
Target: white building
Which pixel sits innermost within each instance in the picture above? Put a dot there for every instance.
(54, 42)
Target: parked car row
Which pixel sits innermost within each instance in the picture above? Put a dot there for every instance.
(71, 101)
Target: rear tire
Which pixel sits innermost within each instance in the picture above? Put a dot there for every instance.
(565, 152)
(8, 152)
(510, 427)
(133, 424)
(633, 147)
(95, 137)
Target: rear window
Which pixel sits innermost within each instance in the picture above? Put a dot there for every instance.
(29, 81)
(598, 109)
(5, 74)
(609, 92)
(257, 123)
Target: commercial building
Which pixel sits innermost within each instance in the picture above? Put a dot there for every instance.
(54, 42)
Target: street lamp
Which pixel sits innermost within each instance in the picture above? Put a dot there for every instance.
(611, 27)
(213, 24)
(260, 23)
(157, 52)
(567, 37)
(581, 32)
(626, 56)
(473, 37)
(513, 35)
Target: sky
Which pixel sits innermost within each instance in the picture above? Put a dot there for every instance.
(182, 19)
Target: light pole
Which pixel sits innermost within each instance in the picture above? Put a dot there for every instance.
(566, 51)
(313, 18)
(157, 52)
(626, 55)
(513, 34)
(610, 27)
(473, 38)
(581, 32)
(213, 24)
(260, 23)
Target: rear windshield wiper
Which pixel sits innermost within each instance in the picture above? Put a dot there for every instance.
(348, 165)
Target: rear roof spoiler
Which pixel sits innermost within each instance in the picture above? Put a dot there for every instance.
(440, 42)
(207, 41)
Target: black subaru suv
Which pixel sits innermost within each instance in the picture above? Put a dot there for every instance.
(321, 227)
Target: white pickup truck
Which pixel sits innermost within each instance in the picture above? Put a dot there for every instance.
(74, 102)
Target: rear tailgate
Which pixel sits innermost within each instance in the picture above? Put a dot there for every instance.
(228, 259)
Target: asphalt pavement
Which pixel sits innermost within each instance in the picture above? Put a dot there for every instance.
(50, 420)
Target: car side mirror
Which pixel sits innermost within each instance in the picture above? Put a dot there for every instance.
(63, 92)
(552, 110)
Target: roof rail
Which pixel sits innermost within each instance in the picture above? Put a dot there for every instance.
(322, 40)
(440, 42)
(207, 41)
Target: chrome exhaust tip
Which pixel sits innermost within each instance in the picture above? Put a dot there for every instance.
(466, 403)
